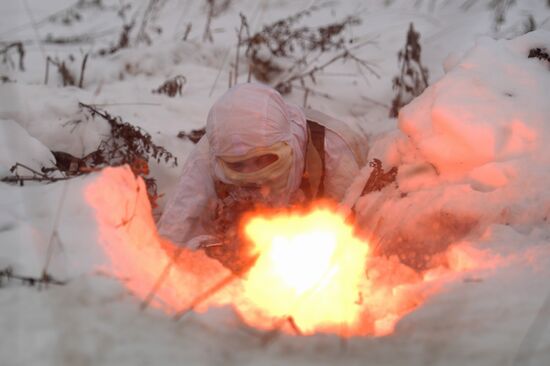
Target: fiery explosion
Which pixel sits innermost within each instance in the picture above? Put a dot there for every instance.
(310, 268)
(312, 273)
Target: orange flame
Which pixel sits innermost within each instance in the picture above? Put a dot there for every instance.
(311, 269)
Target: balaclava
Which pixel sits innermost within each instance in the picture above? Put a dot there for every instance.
(250, 120)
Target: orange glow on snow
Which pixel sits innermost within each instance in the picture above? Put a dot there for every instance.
(312, 274)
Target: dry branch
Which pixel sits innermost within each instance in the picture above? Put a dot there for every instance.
(244, 27)
(126, 144)
(285, 86)
(67, 77)
(289, 55)
(7, 275)
(187, 31)
(18, 47)
(123, 40)
(153, 9)
(172, 86)
(213, 9)
(35, 176)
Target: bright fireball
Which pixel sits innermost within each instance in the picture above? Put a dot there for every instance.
(310, 268)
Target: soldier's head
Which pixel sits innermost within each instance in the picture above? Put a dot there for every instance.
(256, 140)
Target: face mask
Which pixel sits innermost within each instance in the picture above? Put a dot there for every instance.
(267, 167)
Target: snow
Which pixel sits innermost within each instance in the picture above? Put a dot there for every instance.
(18, 144)
(472, 153)
(473, 116)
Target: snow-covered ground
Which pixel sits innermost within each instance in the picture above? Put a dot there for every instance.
(472, 152)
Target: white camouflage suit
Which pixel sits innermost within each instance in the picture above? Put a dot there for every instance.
(248, 116)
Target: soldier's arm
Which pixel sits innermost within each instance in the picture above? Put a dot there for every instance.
(184, 215)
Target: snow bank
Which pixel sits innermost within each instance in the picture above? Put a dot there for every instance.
(16, 145)
(491, 107)
(53, 117)
(94, 319)
(49, 227)
(472, 152)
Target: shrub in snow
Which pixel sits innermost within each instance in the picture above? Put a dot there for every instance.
(413, 77)
(288, 54)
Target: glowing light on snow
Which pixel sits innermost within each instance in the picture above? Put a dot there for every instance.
(313, 275)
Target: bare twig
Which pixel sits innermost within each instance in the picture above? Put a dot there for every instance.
(207, 34)
(20, 179)
(19, 165)
(82, 68)
(66, 76)
(18, 46)
(7, 274)
(286, 85)
(243, 27)
(47, 73)
(153, 8)
(123, 103)
(220, 69)
(123, 40)
(35, 177)
(306, 94)
(165, 271)
(214, 9)
(187, 31)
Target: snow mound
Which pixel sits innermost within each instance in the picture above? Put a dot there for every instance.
(472, 155)
(49, 228)
(16, 145)
(53, 117)
(491, 107)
